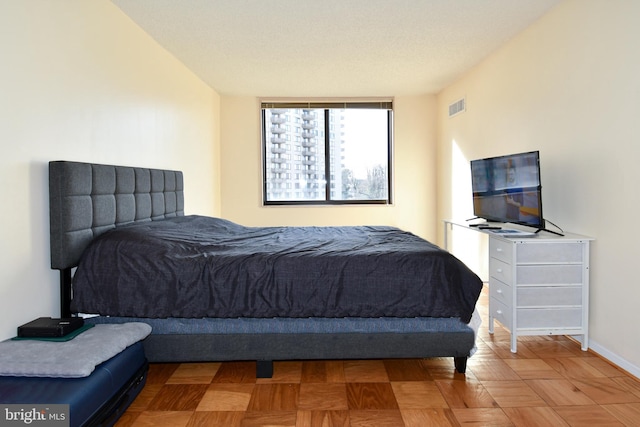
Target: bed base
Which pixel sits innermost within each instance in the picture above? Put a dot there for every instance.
(267, 340)
(266, 348)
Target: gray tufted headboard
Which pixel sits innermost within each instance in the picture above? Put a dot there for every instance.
(87, 199)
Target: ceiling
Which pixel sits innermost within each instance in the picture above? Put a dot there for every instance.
(332, 48)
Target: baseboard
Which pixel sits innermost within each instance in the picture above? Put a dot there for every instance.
(614, 358)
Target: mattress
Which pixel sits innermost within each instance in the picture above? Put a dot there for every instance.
(98, 399)
(197, 267)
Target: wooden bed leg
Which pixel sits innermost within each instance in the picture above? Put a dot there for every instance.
(461, 364)
(264, 368)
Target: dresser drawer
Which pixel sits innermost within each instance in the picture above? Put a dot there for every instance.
(501, 292)
(500, 270)
(548, 274)
(552, 318)
(549, 253)
(500, 312)
(543, 296)
(501, 250)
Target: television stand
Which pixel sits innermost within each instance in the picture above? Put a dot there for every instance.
(557, 233)
(538, 284)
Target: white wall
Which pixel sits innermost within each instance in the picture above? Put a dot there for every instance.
(414, 172)
(569, 87)
(79, 81)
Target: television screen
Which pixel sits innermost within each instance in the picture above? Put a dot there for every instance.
(508, 189)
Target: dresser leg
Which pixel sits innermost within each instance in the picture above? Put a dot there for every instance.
(491, 324)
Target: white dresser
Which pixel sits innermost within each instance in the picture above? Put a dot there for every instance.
(539, 285)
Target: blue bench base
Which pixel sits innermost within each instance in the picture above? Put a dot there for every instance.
(99, 399)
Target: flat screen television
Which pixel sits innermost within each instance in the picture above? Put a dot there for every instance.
(508, 189)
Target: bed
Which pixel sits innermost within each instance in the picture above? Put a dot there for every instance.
(214, 290)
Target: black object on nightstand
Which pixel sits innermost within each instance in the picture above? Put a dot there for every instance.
(46, 327)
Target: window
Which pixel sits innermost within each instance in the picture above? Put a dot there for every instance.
(340, 152)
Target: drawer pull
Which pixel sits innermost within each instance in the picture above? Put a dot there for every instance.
(498, 311)
(498, 249)
(499, 291)
(499, 270)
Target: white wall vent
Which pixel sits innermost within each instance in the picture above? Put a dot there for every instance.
(460, 106)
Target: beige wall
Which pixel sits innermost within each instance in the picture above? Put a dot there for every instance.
(414, 172)
(79, 81)
(569, 87)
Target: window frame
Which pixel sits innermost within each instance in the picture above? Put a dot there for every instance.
(326, 106)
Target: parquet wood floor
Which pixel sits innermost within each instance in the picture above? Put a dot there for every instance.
(549, 382)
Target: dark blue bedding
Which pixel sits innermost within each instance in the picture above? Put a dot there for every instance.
(195, 266)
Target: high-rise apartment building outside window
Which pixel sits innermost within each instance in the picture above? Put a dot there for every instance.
(327, 153)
